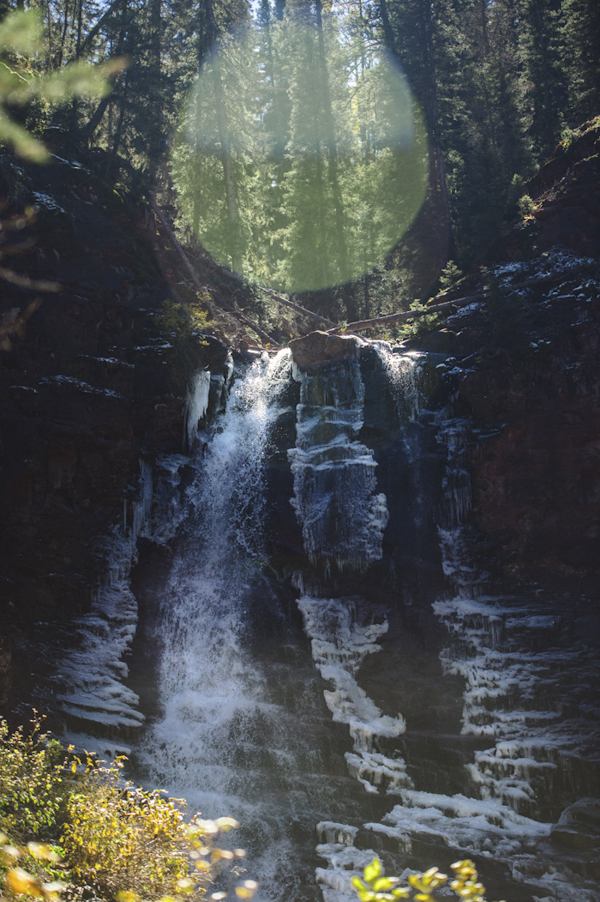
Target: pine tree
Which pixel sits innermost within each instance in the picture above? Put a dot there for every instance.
(581, 36)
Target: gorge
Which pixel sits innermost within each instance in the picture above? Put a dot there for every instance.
(349, 599)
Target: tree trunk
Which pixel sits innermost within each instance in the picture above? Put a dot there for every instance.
(226, 159)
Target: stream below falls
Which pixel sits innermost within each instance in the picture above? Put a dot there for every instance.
(294, 631)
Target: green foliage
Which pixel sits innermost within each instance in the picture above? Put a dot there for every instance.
(185, 323)
(376, 887)
(526, 206)
(186, 320)
(32, 789)
(300, 159)
(451, 274)
(21, 83)
(420, 325)
(119, 837)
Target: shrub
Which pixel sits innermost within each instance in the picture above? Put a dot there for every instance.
(450, 275)
(32, 790)
(526, 206)
(421, 325)
(117, 839)
(123, 840)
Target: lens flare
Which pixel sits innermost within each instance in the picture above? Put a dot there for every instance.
(301, 157)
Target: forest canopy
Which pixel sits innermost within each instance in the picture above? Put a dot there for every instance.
(301, 159)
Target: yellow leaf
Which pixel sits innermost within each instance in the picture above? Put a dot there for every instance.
(373, 870)
(19, 881)
(222, 853)
(384, 884)
(43, 852)
(226, 823)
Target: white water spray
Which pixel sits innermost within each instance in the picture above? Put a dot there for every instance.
(210, 693)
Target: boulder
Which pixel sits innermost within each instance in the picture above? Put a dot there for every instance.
(579, 825)
(318, 349)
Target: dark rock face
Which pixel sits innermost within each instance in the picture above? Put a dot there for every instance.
(528, 377)
(536, 481)
(86, 390)
(532, 394)
(5, 669)
(567, 187)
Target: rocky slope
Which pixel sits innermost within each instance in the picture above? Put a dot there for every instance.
(527, 371)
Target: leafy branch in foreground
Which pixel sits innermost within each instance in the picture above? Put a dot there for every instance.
(21, 882)
(31, 782)
(376, 887)
(21, 83)
(116, 840)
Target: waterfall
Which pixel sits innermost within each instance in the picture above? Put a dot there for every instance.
(208, 688)
(279, 690)
(206, 684)
(228, 734)
(404, 375)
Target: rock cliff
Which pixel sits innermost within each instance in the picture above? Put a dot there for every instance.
(527, 371)
(90, 385)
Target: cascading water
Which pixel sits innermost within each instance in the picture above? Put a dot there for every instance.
(290, 736)
(211, 696)
(231, 733)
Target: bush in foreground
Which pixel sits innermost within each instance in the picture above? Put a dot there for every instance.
(109, 836)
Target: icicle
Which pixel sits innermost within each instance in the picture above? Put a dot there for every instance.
(90, 677)
(196, 405)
